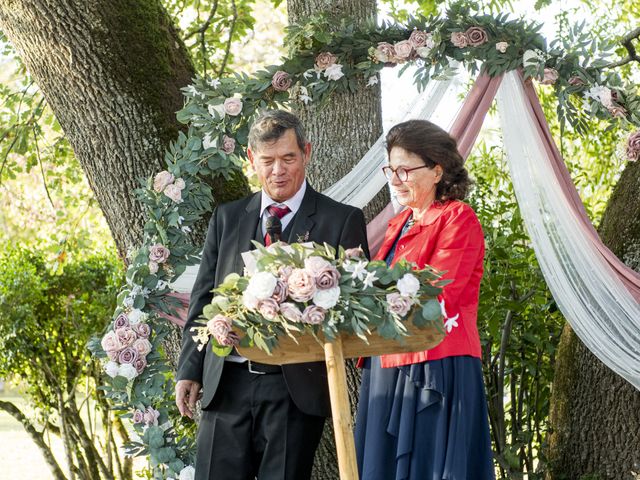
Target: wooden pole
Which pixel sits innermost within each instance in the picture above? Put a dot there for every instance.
(340, 410)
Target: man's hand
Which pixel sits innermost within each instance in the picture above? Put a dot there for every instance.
(187, 393)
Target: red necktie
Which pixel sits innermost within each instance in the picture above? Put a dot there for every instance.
(275, 211)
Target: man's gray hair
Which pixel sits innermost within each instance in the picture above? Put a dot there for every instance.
(272, 124)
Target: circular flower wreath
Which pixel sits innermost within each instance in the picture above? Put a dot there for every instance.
(322, 60)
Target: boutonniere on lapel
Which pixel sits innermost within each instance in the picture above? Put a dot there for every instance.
(304, 237)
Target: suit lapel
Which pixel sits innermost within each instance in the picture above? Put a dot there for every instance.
(247, 226)
(302, 224)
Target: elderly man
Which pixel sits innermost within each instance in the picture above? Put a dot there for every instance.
(261, 420)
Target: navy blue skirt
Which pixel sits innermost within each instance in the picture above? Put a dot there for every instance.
(426, 421)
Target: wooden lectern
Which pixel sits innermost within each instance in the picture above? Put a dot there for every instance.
(305, 348)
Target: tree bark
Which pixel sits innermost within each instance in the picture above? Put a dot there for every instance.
(340, 133)
(112, 72)
(594, 413)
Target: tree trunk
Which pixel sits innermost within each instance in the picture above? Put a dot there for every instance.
(594, 413)
(340, 133)
(112, 73)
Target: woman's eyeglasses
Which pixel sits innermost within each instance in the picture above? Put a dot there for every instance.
(401, 172)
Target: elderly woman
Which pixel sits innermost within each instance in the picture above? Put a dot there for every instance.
(423, 415)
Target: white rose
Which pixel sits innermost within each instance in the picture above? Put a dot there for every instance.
(262, 285)
(327, 298)
(249, 301)
(127, 371)
(334, 72)
(408, 285)
(232, 106)
(111, 369)
(502, 46)
(136, 316)
(187, 473)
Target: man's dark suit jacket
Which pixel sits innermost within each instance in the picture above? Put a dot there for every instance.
(231, 229)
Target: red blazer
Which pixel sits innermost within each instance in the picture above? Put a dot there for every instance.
(448, 238)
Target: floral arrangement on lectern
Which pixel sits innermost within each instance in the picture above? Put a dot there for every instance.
(306, 288)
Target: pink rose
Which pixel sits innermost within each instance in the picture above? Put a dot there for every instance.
(476, 36)
(384, 52)
(301, 285)
(268, 308)
(328, 278)
(403, 50)
(228, 144)
(112, 354)
(232, 106)
(617, 111)
(140, 364)
(142, 346)
(291, 312)
(324, 60)
(121, 321)
(281, 291)
(142, 329)
(231, 340)
(161, 180)
(126, 336)
(127, 356)
(138, 416)
(315, 264)
(313, 315)
(459, 39)
(173, 192)
(418, 38)
(398, 304)
(284, 272)
(281, 81)
(151, 416)
(158, 253)
(153, 268)
(633, 146)
(357, 252)
(576, 81)
(179, 183)
(110, 342)
(550, 76)
(219, 326)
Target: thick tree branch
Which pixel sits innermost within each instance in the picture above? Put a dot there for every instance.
(627, 42)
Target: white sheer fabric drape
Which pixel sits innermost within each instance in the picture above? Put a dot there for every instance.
(591, 296)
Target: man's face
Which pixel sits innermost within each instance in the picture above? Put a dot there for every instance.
(280, 165)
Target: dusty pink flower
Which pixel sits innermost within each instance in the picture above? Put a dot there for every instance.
(403, 50)
(142, 329)
(174, 192)
(398, 304)
(151, 416)
(550, 76)
(384, 52)
(128, 355)
(354, 253)
(228, 144)
(138, 416)
(313, 315)
(268, 308)
(284, 272)
(161, 180)
(153, 267)
(180, 183)
(325, 60)
(576, 81)
(219, 326)
(140, 364)
(301, 285)
(142, 346)
(110, 342)
(315, 264)
(231, 340)
(476, 36)
(112, 354)
(328, 278)
(158, 253)
(126, 336)
(232, 106)
(281, 81)
(459, 39)
(291, 312)
(280, 292)
(121, 321)
(633, 146)
(418, 38)
(617, 111)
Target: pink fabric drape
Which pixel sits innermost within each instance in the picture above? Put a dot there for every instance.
(465, 130)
